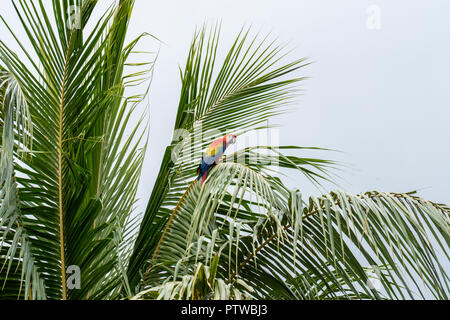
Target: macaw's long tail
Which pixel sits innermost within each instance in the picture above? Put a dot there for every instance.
(202, 177)
(203, 171)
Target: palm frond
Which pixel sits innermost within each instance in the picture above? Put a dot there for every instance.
(79, 181)
(341, 235)
(329, 241)
(250, 87)
(14, 242)
(201, 285)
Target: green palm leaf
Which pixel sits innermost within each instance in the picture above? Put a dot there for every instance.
(68, 206)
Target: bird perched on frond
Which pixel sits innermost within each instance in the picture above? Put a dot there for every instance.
(212, 155)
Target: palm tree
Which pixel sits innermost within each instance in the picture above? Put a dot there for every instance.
(71, 162)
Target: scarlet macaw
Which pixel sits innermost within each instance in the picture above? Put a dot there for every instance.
(212, 155)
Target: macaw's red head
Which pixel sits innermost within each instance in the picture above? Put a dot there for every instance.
(231, 138)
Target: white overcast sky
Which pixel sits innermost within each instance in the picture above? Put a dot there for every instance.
(379, 95)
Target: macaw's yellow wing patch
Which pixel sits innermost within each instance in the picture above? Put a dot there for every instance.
(211, 152)
(214, 148)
